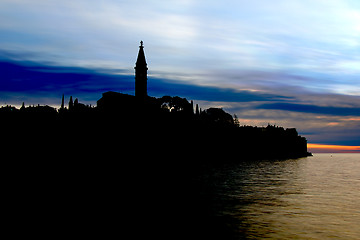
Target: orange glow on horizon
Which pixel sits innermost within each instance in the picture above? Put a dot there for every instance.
(334, 148)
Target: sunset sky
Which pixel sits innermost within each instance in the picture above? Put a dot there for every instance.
(293, 63)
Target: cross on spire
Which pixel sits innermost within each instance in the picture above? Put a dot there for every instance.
(141, 43)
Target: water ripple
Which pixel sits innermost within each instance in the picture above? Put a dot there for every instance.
(309, 198)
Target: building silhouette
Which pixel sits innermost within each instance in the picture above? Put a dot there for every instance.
(115, 101)
(141, 74)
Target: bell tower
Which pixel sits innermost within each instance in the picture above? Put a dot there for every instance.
(141, 74)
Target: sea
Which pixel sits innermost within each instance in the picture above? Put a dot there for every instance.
(308, 198)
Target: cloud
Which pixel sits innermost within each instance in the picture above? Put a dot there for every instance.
(209, 93)
(337, 111)
(297, 35)
(41, 84)
(37, 79)
(34, 83)
(291, 39)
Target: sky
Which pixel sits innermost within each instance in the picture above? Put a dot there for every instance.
(293, 63)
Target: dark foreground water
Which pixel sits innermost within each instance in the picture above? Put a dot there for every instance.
(309, 198)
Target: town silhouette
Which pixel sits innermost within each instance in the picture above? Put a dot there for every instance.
(130, 160)
(163, 126)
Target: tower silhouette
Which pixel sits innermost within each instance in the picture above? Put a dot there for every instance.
(141, 74)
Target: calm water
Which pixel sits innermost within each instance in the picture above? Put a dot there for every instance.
(310, 198)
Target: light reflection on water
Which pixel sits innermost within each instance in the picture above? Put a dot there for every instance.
(309, 198)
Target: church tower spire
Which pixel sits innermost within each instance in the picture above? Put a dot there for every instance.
(141, 74)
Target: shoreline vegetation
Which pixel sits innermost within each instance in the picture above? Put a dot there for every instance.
(163, 128)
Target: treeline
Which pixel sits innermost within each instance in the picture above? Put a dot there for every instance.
(162, 128)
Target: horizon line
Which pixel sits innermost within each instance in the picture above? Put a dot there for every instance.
(329, 148)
